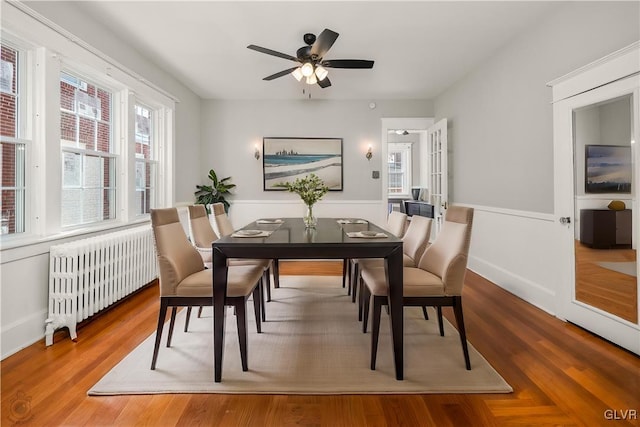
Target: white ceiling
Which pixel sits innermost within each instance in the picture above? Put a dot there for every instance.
(420, 48)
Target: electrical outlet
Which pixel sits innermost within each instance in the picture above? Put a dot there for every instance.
(375, 174)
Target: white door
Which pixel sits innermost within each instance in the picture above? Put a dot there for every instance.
(594, 294)
(438, 178)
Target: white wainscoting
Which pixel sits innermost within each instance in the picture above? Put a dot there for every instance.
(518, 251)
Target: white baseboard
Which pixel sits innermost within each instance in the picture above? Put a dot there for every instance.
(22, 333)
(523, 288)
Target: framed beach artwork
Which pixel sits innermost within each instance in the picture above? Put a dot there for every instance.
(285, 159)
(608, 169)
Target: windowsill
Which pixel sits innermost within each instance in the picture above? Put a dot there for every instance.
(9, 242)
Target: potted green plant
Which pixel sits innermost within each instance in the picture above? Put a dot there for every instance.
(214, 193)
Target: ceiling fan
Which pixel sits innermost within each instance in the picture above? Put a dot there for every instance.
(312, 65)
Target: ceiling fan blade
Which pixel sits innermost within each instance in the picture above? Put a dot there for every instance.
(347, 63)
(324, 82)
(324, 42)
(280, 74)
(272, 52)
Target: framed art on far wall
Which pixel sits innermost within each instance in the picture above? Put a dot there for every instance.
(608, 169)
(286, 158)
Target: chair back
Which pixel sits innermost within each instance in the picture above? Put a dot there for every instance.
(200, 229)
(447, 256)
(177, 258)
(223, 223)
(396, 223)
(416, 238)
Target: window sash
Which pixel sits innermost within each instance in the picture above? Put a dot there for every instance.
(399, 170)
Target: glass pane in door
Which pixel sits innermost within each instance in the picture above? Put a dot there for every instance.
(604, 243)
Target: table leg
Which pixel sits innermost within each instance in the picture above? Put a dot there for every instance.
(219, 296)
(393, 270)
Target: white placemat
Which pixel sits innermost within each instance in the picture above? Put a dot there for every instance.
(366, 235)
(252, 233)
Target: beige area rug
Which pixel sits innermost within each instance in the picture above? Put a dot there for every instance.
(629, 268)
(312, 343)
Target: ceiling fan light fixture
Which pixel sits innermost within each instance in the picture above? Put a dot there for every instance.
(311, 80)
(321, 72)
(307, 69)
(297, 73)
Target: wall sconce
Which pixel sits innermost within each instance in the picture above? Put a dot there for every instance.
(369, 154)
(256, 152)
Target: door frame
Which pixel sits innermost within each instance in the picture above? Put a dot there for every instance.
(610, 77)
(392, 123)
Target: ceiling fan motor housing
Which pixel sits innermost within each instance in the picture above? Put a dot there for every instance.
(309, 38)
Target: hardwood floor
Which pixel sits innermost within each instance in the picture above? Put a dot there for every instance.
(561, 375)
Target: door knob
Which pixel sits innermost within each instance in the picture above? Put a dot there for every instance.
(564, 220)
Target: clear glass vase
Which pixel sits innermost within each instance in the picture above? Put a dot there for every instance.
(309, 220)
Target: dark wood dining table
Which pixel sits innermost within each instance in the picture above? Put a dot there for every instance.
(291, 240)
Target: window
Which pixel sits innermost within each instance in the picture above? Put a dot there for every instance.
(146, 160)
(13, 143)
(80, 150)
(399, 165)
(88, 154)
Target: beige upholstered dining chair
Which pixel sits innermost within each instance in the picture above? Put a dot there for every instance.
(202, 235)
(396, 225)
(437, 280)
(225, 228)
(414, 243)
(184, 281)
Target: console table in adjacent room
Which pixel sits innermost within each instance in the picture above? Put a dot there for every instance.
(415, 207)
(605, 228)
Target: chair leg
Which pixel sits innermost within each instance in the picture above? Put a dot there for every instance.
(161, 316)
(424, 312)
(349, 281)
(241, 320)
(457, 309)
(276, 274)
(375, 328)
(186, 320)
(258, 306)
(440, 323)
(171, 325)
(361, 299)
(344, 271)
(261, 295)
(199, 312)
(355, 273)
(267, 281)
(366, 296)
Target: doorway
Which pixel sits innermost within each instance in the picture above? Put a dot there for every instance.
(596, 183)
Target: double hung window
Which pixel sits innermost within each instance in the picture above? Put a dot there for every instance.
(88, 154)
(399, 169)
(14, 141)
(146, 158)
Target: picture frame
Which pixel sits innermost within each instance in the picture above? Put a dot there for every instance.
(607, 169)
(286, 158)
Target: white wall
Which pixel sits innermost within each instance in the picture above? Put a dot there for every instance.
(501, 142)
(231, 129)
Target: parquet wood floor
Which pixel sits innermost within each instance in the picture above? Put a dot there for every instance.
(561, 375)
